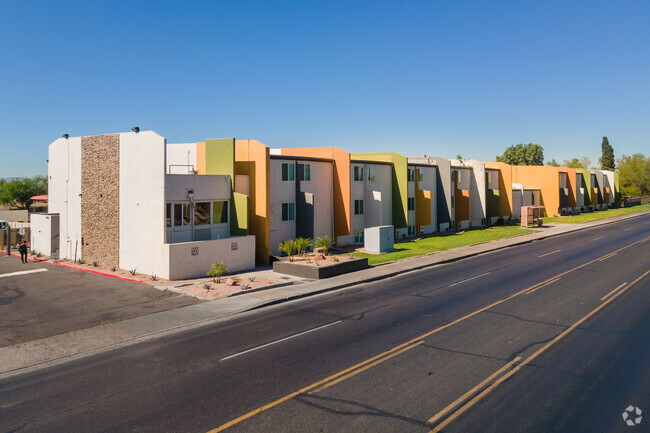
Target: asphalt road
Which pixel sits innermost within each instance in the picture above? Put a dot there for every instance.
(531, 338)
(50, 300)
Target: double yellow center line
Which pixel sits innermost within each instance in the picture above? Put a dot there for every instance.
(382, 357)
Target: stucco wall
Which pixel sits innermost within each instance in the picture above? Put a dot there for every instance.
(181, 158)
(100, 204)
(64, 190)
(426, 200)
(142, 201)
(44, 233)
(194, 259)
(281, 192)
(545, 178)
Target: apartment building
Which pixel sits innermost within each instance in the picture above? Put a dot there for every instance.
(124, 200)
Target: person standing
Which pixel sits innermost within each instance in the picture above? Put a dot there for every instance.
(22, 247)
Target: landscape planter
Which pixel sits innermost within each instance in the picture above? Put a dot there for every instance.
(322, 271)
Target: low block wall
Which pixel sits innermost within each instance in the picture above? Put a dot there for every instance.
(193, 259)
(320, 272)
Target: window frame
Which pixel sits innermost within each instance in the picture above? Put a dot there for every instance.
(358, 206)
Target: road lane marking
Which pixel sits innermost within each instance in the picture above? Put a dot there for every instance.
(539, 351)
(365, 367)
(548, 283)
(612, 292)
(280, 340)
(548, 254)
(469, 279)
(595, 239)
(608, 256)
(399, 347)
(31, 271)
(629, 228)
(469, 393)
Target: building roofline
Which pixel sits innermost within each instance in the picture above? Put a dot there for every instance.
(367, 161)
(301, 158)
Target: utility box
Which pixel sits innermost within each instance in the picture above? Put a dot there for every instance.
(379, 239)
(45, 234)
(531, 215)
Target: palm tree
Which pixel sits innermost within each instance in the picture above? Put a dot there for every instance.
(288, 247)
(302, 244)
(217, 270)
(324, 243)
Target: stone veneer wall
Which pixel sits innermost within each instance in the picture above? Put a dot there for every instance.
(100, 194)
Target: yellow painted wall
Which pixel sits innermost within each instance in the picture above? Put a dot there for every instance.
(252, 158)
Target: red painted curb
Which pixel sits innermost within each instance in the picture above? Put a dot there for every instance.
(80, 269)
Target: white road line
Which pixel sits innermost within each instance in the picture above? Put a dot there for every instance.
(629, 228)
(281, 340)
(595, 239)
(548, 254)
(33, 271)
(469, 279)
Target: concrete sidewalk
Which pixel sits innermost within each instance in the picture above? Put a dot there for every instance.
(61, 348)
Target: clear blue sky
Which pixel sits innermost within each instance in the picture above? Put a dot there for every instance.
(415, 77)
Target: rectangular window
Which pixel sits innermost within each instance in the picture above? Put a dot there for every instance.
(305, 171)
(288, 212)
(411, 203)
(187, 214)
(288, 171)
(358, 207)
(219, 212)
(420, 175)
(168, 215)
(371, 173)
(358, 238)
(358, 173)
(411, 174)
(201, 213)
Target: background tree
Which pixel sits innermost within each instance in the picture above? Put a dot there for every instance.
(553, 163)
(523, 154)
(634, 174)
(583, 162)
(607, 161)
(18, 193)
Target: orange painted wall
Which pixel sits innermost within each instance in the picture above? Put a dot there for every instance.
(422, 205)
(505, 186)
(546, 178)
(252, 158)
(341, 193)
(571, 184)
(462, 199)
(200, 158)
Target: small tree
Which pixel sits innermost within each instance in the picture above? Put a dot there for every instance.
(523, 154)
(325, 242)
(302, 244)
(18, 193)
(288, 247)
(216, 271)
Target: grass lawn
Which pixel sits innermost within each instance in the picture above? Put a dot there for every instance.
(439, 243)
(598, 215)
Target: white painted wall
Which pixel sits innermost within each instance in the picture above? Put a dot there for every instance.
(181, 158)
(64, 192)
(428, 183)
(281, 192)
(321, 185)
(609, 175)
(477, 196)
(205, 186)
(181, 264)
(142, 201)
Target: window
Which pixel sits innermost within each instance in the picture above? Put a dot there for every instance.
(305, 171)
(288, 171)
(219, 212)
(371, 173)
(358, 238)
(358, 172)
(420, 175)
(187, 214)
(411, 203)
(288, 212)
(411, 231)
(201, 213)
(411, 174)
(168, 215)
(358, 207)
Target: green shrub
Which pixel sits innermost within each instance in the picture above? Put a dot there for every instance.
(288, 247)
(324, 243)
(216, 271)
(302, 244)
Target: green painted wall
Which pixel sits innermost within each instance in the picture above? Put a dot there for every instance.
(220, 159)
(239, 220)
(493, 202)
(400, 183)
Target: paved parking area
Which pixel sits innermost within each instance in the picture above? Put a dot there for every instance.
(39, 300)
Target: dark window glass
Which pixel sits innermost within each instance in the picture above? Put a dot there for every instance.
(168, 215)
(178, 214)
(201, 213)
